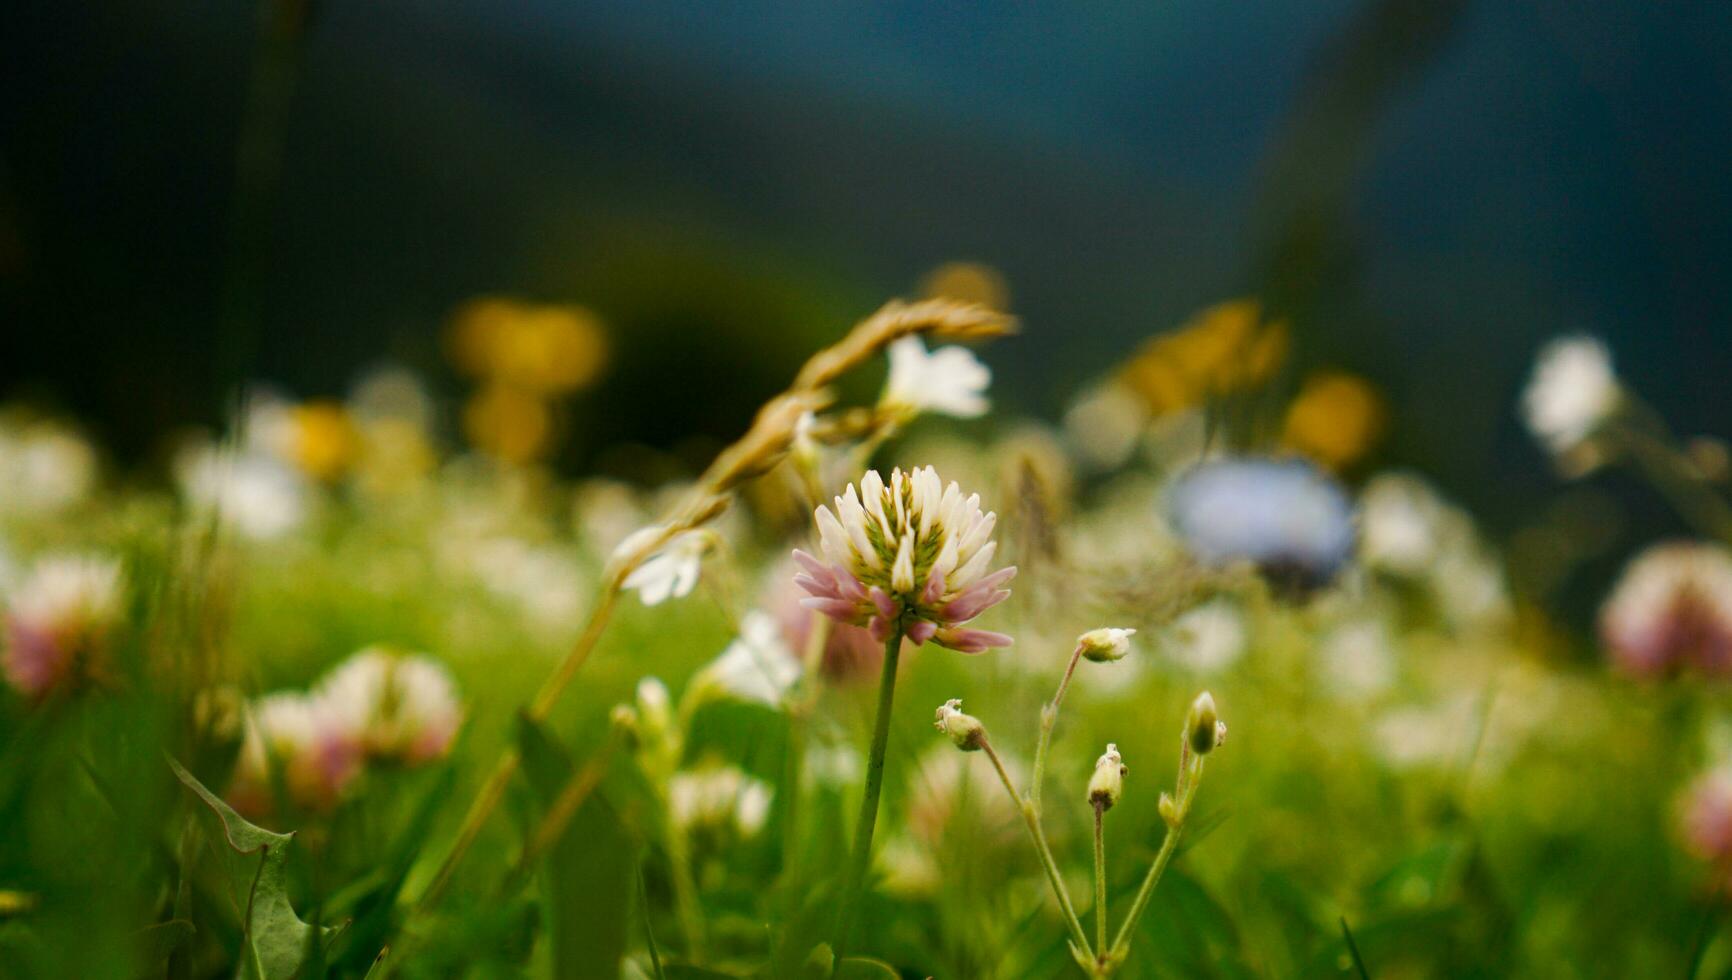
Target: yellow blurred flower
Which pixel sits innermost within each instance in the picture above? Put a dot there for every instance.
(324, 440)
(544, 349)
(1227, 347)
(508, 423)
(968, 282)
(1335, 419)
(397, 454)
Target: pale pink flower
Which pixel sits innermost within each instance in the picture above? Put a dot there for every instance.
(396, 705)
(1705, 817)
(297, 744)
(1672, 609)
(910, 554)
(57, 622)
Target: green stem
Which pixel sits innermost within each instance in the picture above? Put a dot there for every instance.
(862, 860)
(1190, 776)
(1100, 882)
(686, 893)
(1048, 719)
(1031, 817)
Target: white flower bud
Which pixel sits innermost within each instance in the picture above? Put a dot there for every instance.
(655, 717)
(1203, 728)
(1108, 781)
(1106, 644)
(1169, 810)
(965, 731)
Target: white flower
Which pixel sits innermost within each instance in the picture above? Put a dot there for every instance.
(56, 620)
(1208, 638)
(1400, 519)
(672, 571)
(260, 496)
(303, 739)
(948, 381)
(395, 705)
(544, 581)
(1572, 391)
(757, 667)
(1355, 660)
(720, 797)
(44, 467)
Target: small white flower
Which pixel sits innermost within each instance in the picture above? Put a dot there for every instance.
(1572, 391)
(1400, 518)
(948, 381)
(1209, 638)
(718, 797)
(45, 467)
(1355, 660)
(671, 572)
(757, 667)
(260, 496)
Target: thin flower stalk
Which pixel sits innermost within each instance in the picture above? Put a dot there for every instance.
(863, 828)
(1031, 818)
(1048, 720)
(1100, 879)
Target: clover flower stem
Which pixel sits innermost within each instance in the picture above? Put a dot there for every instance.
(1031, 817)
(800, 705)
(1100, 881)
(862, 860)
(1190, 775)
(1049, 718)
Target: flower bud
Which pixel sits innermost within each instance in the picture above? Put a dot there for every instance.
(623, 719)
(1203, 727)
(655, 716)
(1108, 782)
(965, 731)
(1169, 810)
(1106, 644)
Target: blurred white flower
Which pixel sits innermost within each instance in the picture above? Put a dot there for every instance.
(1426, 735)
(305, 741)
(1399, 518)
(1355, 661)
(57, 619)
(1572, 391)
(948, 381)
(1208, 638)
(44, 468)
(671, 572)
(544, 581)
(835, 764)
(397, 706)
(258, 495)
(1672, 609)
(718, 797)
(757, 666)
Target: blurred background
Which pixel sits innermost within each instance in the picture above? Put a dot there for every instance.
(194, 198)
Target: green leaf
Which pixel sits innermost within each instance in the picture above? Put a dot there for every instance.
(591, 871)
(157, 943)
(275, 941)
(683, 971)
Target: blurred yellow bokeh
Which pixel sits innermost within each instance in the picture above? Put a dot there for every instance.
(1335, 419)
(325, 441)
(968, 282)
(542, 349)
(1225, 348)
(508, 423)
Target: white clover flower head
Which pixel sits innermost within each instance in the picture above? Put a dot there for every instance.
(301, 740)
(396, 706)
(1573, 391)
(57, 619)
(911, 553)
(260, 496)
(1106, 644)
(1671, 609)
(757, 667)
(718, 798)
(45, 467)
(1400, 524)
(671, 572)
(946, 381)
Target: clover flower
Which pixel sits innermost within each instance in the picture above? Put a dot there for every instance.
(718, 798)
(1285, 516)
(1705, 817)
(910, 555)
(758, 667)
(948, 381)
(394, 705)
(57, 621)
(1672, 608)
(1572, 391)
(299, 743)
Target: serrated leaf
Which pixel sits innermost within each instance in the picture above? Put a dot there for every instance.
(274, 941)
(591, 871)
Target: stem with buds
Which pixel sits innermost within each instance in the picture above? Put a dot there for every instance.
(1048, 719)
(1100, 879)
(1190, 777)
(1031, 817)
